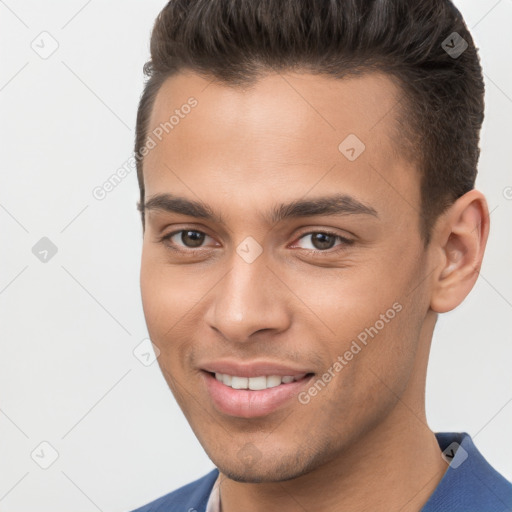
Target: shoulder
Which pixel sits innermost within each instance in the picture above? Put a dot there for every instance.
(470, 482)
(189, 498)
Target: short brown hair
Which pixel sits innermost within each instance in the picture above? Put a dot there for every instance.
(237, 41)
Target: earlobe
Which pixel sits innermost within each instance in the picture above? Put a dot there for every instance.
(461, 239)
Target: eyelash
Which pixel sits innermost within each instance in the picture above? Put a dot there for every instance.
(193, 251)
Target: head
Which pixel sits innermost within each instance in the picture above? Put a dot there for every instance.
(306, 173)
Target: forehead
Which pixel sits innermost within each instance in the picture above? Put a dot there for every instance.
(282, 132)
(285, 103)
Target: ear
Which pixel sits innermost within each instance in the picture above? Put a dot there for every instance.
(459, 243)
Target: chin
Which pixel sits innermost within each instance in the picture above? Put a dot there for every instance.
(261, 472)
(249, 476)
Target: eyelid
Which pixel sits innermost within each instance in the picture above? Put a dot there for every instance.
(342, 233)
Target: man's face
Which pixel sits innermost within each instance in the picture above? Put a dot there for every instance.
(260, 291)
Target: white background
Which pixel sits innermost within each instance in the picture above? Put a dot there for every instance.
(68, 327)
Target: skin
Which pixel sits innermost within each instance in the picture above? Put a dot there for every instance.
(243, 151)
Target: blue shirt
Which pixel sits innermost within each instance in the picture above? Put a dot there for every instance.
(470, 484)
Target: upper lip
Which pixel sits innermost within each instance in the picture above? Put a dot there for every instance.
(252, 368)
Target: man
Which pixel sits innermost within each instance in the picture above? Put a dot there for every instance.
(307, 173)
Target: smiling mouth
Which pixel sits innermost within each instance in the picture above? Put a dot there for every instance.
(254, 396)
(258, 383)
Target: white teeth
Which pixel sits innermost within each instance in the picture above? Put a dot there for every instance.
(273, 381)
(239, 382)
(256, 383)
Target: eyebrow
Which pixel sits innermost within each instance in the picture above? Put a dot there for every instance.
(337, 204)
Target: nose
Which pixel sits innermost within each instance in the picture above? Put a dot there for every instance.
(250, 298)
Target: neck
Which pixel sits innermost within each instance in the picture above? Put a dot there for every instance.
(381, 472)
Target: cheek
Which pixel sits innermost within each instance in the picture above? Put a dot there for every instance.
(345, 302)
(369, 326)
(162, 310)
(171, 300)
(372, 377)
(162, 298)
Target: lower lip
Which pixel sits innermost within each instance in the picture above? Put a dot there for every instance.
(245, 403)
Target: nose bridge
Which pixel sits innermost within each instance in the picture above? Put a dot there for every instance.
(245, 299)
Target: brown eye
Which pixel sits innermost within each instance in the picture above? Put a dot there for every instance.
(323, 241)
(192, 238)
(185, 239)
